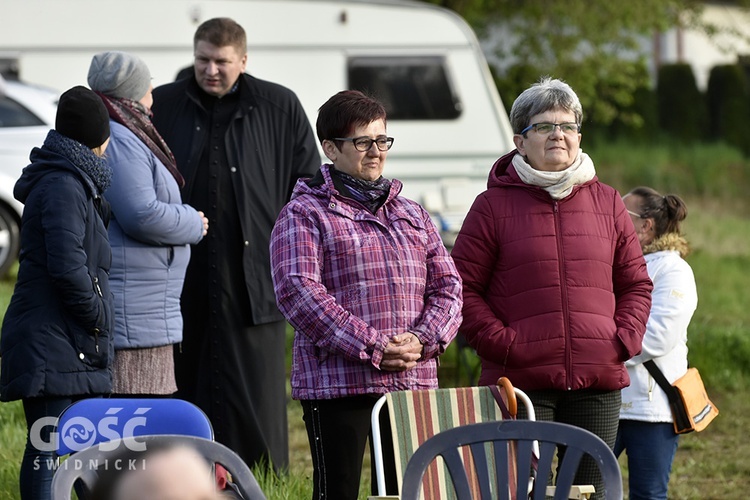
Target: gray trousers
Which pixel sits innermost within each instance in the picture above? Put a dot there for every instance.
(594, 410)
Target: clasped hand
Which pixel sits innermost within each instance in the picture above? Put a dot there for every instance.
(204, 219)
(402, 353)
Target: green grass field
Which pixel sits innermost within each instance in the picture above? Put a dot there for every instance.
(709, 465)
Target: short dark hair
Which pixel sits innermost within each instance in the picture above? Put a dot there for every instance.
(222, 31)
(343, 112)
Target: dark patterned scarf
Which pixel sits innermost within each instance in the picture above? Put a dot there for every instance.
(82, 157)
(372, 194)
(137, 119)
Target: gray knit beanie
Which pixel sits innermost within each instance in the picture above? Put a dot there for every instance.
(119, 74)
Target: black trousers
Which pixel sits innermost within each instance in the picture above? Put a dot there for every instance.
(337, 430)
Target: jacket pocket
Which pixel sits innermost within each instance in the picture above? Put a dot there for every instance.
(93, 347)
(93, 344)
(105, 313)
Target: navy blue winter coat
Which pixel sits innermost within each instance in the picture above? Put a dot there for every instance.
(56, 334)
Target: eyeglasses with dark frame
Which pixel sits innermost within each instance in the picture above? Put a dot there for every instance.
(363, 144)
(546, 128)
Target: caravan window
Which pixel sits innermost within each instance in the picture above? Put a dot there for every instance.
(410, 88)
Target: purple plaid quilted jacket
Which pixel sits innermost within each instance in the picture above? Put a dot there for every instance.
(348, 280)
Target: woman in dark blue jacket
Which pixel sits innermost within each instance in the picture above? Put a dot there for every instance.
(56, 343)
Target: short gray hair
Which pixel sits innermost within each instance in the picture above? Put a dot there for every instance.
(545, 95)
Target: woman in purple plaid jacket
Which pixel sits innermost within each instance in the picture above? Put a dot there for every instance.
(362, 275)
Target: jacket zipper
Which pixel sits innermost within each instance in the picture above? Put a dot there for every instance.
(564, 293)
(96, 330)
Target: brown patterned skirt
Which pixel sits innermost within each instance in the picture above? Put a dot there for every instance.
(144, 371)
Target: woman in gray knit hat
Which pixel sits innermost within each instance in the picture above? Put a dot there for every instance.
(151, 230)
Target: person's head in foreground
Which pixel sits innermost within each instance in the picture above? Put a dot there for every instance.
(546, 120)
(162, 472)
(351, 127)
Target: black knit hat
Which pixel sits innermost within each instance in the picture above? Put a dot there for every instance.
(81, 116)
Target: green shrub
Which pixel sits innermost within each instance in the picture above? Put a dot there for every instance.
(727, 101)
(680, 104)
(637, 122)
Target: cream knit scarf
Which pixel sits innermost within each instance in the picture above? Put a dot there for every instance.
(557, 184)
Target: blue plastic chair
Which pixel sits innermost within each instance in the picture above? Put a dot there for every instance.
(89, 422)
(494, 446)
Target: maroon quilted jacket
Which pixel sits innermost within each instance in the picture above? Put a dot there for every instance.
(556, 293)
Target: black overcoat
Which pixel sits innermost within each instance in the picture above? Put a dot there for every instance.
(269, 145)
(241, 156)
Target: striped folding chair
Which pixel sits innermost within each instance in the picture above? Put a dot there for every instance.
(416, 416)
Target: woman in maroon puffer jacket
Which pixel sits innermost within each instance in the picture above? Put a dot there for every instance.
(556, 292)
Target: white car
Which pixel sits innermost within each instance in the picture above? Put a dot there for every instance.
(27, 112)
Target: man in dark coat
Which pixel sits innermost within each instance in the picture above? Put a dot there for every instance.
(240, 143)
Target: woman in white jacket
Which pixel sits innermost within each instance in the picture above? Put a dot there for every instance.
(646, 433)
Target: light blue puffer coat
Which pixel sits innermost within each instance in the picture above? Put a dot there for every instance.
(150, 233)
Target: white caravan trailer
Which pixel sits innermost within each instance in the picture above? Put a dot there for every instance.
(422, 61)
